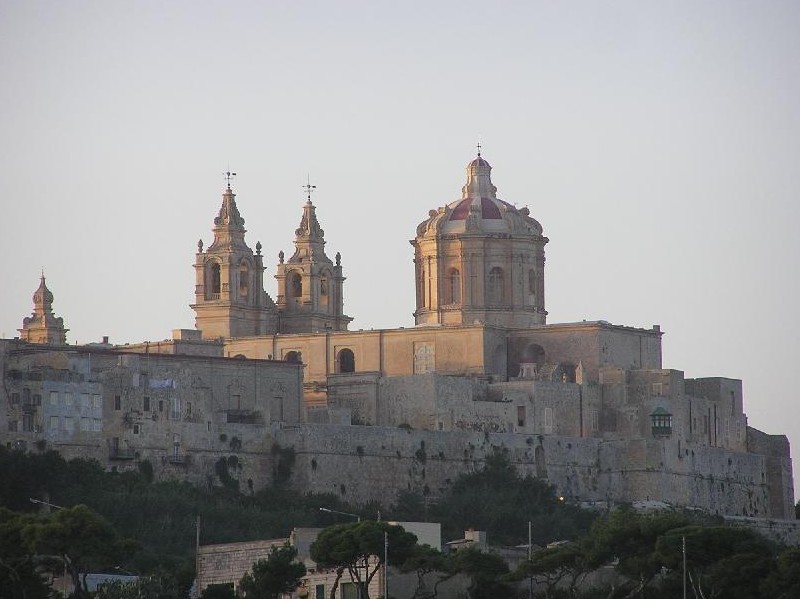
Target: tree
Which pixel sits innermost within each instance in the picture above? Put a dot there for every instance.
(486, 571)
(19, 575)
(272, 577)
(426, 561)
(784, 580)
(148, 587)
(82, 539)
(349, 547)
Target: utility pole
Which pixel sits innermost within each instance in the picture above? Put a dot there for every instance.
(530, 574)
(684, 566)
(385, 565)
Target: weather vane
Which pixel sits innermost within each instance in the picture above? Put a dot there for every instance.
(228, 176)
(308, 187)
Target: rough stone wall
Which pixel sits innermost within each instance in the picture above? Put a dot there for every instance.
(227, 563)
(365, 463)
(778, 475)
(180, 413)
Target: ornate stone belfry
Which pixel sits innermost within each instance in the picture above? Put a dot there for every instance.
(43, 326)
(479, 259)
(309, 283)
(230, 300)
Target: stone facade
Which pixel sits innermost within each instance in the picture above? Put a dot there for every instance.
(178, 412)
(586, 406)
(227, 563)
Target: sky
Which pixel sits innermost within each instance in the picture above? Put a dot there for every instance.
(658, 143)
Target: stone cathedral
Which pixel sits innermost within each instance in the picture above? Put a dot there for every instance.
(586, 406)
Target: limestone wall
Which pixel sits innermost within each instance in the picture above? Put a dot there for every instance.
(365, 463)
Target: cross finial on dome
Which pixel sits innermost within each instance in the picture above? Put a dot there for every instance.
(228, 176)
(309, 188)
(479, 149)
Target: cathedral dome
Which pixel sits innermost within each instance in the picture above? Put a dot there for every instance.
(480, 210)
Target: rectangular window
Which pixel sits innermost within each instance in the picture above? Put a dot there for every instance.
(208, 424)
(86, 401)
(548, 420)
(15, 399)
(86, 424)
(69, 424)
(53, 423)
(657, 389)
(160, 405)
(424, 357)
(54, 398)
(595, 421)
(188, 408)
(520, 415)
(146, 404)
(319, 592)
(135, 429)
(97, 401)
(97, 425)
(175, 413)
(37, 399)
(27, 423)
(117, 403)
(68, 400)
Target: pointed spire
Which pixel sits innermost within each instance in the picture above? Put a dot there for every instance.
(309, 228)
(228, 225)
(43, 326)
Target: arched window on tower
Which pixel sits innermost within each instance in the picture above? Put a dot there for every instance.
(346, 361)
(216, 282)
(454, 286)
(531, 281)
(295, 285)
(495, 292)
(244, 278)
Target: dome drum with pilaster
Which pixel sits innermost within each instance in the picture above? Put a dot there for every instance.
(479, 259)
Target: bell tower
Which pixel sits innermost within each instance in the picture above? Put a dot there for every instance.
(309, 284)
(230, 300)
(43, 326)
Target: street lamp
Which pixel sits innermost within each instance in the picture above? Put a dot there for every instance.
(45, 503)
(366, 566)
(330, 511)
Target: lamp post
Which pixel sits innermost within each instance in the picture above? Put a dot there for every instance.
(45, 503)
(330, 511)
(358, 518)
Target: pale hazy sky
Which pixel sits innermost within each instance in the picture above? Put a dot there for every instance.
(658, 143)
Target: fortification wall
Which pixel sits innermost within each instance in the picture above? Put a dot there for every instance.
(374, 463)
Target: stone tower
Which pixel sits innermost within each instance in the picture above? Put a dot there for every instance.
(479, 259)
(43, 326)
(230, 300)
(309, 284)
